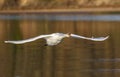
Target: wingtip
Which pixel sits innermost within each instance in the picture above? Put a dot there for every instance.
(5, 41)
(107, 37)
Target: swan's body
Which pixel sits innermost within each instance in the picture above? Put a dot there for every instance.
(55, 38)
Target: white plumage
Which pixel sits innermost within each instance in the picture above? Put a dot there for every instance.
(55, 38)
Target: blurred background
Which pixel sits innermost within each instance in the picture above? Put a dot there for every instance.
(56, 4)
(72, 57)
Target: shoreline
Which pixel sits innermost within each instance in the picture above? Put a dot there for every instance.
(52, 11)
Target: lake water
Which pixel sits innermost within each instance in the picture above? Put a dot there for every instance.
(71, 58)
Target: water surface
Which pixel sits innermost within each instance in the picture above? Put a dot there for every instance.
(71, 58)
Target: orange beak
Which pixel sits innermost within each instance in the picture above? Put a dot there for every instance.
(69, 34)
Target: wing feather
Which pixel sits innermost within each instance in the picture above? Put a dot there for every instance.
(27, 40)
(93, 39)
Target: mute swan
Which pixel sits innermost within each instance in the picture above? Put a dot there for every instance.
(55, 38)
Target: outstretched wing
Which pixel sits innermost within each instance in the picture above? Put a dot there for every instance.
(27, 40)
(93, 39)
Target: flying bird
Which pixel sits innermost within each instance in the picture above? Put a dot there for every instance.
(56, 38)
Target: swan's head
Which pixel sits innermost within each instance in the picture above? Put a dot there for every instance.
(68, 34)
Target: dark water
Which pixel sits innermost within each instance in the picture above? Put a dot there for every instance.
(71, 58)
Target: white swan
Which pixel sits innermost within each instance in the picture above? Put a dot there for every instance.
(55, 38)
